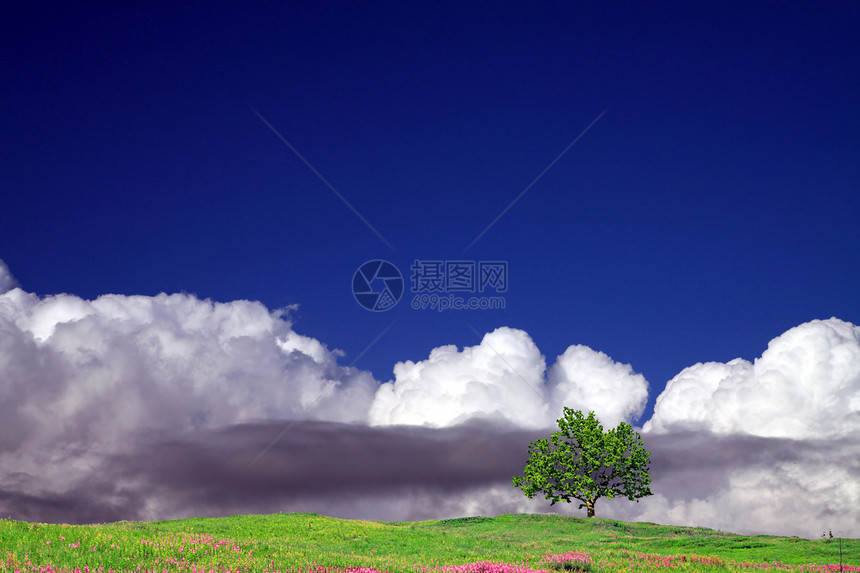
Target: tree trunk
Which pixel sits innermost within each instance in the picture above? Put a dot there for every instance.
(589, 506)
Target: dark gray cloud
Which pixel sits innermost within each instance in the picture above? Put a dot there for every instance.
(323, 458)
(752, 484)
(219, 472)
(408, 472)
(693, 464)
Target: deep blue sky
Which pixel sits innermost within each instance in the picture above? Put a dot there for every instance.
(714, 205)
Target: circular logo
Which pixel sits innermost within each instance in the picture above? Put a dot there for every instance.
(377, 285)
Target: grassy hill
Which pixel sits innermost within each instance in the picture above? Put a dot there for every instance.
(310, 543)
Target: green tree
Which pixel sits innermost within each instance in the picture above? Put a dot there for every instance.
(582, 462)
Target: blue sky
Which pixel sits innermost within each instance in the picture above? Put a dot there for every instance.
(711, 208)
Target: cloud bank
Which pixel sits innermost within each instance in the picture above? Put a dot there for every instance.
(135, 407)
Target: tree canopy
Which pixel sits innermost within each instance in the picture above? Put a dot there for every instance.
(583, 462)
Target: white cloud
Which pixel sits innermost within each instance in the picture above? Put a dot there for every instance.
(502, 377)
(505, 377)
(584, 379)
(806, 384)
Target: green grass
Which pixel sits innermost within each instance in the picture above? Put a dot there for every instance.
(307, 541)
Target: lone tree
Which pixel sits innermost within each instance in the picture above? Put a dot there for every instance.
(582, 462)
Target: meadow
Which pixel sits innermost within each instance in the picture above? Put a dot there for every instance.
(310, 543)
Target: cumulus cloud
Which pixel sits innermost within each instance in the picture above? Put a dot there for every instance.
(805, 385)
(584, 379)
(504, 377)
(501, 377)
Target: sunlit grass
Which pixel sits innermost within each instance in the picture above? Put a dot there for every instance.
(309, 543)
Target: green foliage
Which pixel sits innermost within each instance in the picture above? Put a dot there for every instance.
(583, 462)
